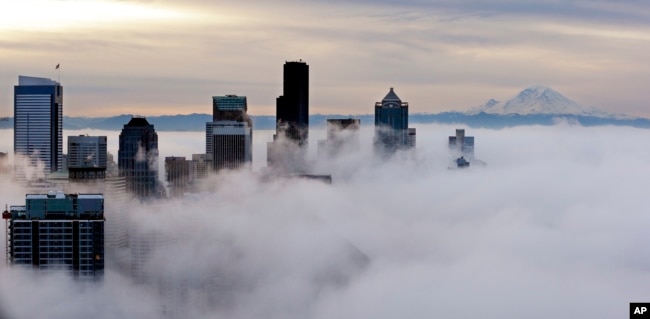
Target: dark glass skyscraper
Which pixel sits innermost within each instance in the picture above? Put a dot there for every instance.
(292, 107)
(38, 123)
(391, 124)
(138, 158)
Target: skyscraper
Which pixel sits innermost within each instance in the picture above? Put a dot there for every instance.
(292, 107)
(87, 157)
(229, 136)
(287, 152)
(56, 231)
(178, 174)
(38, 124)
(137, 158)
(391, 124)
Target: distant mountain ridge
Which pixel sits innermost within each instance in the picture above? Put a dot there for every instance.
(536, 105)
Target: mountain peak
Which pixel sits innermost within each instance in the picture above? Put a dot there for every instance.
(537, 99)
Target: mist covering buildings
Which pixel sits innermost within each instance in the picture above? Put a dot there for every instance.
(560, 224)
(397, 237)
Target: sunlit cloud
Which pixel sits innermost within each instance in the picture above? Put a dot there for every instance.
(48, 15)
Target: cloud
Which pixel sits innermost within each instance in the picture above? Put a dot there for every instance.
(553, 226)
(445, 55)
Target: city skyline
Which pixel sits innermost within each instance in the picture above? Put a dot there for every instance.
(444, 56)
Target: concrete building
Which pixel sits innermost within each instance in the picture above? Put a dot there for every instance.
(391, 125)
(87, 157)
(138, 158)
(58, 232)
(178, 175)
(38, 127)
(228, 138)
(461, 145)
(200, 166)
(4, 163)
(233, 145)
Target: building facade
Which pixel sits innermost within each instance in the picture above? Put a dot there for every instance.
(228, 138)
(4, 163)
(178, 173)
(292, 107)
(58, 232)
(138, 158)
(38, 125)
(232, 145)
(391, 124)
(461, 145)
(200, 166)
(87, 157)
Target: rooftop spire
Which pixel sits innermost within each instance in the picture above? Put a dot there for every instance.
(391, 96)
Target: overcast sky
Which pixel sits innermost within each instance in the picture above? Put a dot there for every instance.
(170, 57)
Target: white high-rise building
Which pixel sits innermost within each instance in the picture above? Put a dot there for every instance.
(38, 127)
(231, 144)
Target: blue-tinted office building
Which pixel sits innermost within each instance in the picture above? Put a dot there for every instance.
(391, 124)
(38, 123)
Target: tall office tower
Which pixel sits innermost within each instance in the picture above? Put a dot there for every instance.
(137, 158)
(178, 173)
(87, 157)
(391, 124)
(287, 152)
(56, 231)
(342, 136)
(228, 138)
(38, 125)
(292, 107)
(462, 145)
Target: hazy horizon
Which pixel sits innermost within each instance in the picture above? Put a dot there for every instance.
(154, 57)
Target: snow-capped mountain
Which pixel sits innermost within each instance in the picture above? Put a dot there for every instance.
(539, 100)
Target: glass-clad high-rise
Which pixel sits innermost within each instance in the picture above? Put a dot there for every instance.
(391, 124)
(38, 124)
(292, 107)
(137, 158)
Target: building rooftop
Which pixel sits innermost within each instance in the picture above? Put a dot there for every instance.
(33, 81)
(138, 121)
(391, 96)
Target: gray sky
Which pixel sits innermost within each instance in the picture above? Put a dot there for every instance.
(170, 57)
